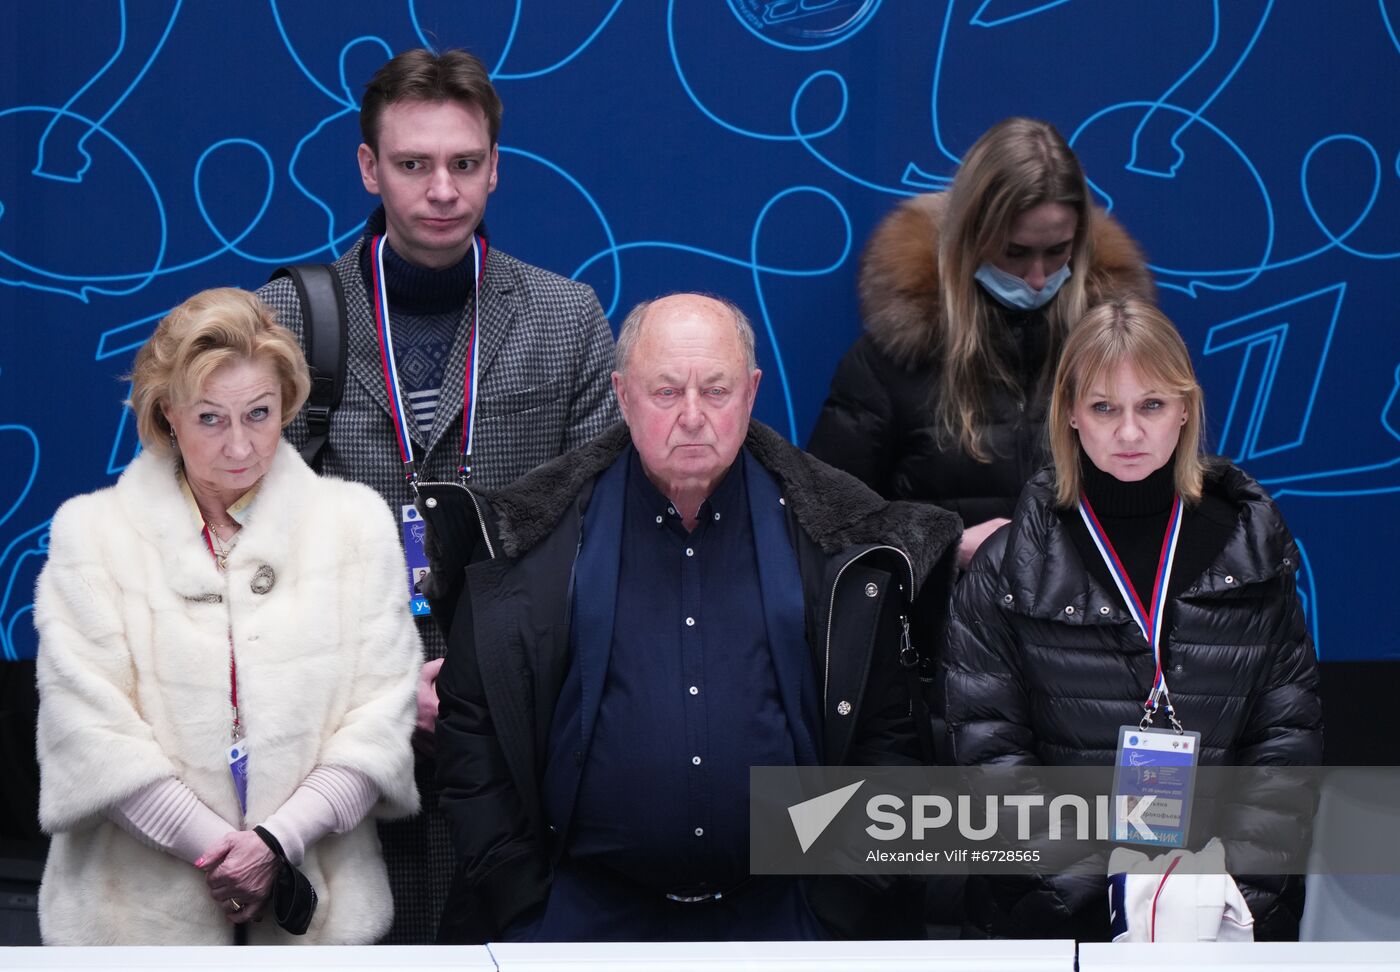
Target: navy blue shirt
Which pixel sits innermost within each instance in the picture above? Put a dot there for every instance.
(690, 701)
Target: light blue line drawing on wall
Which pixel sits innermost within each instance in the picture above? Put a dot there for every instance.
(1195, 280)
(132, 334)
(231, 246)
(1134, 165)
(88, 283)
(7, 644)
(342, 99)
(1314, 484)
(789, 12)
(21, 553)
(806, 139)
(704, 110)
(333, 240)
(498, 75)
(505, 48)
(597, 211)
(1339, 240)
(756, 269)
(25, 432)
(40, 168)
(763, 304)
(1015, 10)
(913, 175)
(1269, 333)
(1389, 25)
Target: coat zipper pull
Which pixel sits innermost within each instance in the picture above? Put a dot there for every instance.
(908, 655)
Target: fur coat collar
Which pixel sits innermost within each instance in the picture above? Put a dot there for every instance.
(835, 509)
(900, 288)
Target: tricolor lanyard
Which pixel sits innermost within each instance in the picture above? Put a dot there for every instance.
(391, 371)
(237, 733)
(1149, 621)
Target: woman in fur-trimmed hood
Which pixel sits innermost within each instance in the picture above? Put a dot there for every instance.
(226, 665)
(966, 296)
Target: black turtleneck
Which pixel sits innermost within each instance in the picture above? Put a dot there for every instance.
(1135, 517)
(425, 307)
(421, 290)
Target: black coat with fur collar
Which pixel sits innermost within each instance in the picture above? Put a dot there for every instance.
(508, 653)
(878, 421)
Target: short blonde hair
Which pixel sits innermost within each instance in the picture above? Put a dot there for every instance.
(211, 329)
(1133, 330)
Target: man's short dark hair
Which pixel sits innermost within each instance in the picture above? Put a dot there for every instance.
(421, 75)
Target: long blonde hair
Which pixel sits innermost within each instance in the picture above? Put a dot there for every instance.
(1018, 164)
(1132, 330)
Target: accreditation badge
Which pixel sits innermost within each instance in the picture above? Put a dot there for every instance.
(1154, 776)
(238, 768)
(413, 529)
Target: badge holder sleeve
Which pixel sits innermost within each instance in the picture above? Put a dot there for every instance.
(458, 535)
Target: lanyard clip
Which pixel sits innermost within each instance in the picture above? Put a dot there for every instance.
(464, 471)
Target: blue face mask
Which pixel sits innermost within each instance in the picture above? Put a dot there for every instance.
(1011, 291)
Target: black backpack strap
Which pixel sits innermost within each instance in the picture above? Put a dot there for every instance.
(324, 325)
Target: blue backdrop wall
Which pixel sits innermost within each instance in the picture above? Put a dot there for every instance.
(745, 147)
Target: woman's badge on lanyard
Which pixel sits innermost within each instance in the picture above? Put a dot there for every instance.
(238, 768)
(1154, 775)
(1154, 772)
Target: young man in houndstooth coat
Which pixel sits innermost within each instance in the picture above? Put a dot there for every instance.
(542, 347)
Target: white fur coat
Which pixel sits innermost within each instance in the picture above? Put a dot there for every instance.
(133, 672)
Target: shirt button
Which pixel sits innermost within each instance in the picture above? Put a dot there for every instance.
(694, 690)
(1104, 610)
(1229, 579)
(671, 510)
(695, 760)
(690, 622)
(699, 831)
(782, 501)
(1069, 609)
(717, 517)
(658, 519)
(689, 552)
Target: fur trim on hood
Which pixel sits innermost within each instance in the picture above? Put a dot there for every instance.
(835, 509)
(899, 286)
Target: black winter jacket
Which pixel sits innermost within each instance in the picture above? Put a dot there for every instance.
(878, 421)
(508, 654)
(1044, 664)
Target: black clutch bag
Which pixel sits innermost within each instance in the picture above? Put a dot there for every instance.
(293, 897)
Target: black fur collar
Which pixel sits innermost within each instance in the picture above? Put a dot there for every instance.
(835, 509)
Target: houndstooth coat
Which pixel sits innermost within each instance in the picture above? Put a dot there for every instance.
(545, 358)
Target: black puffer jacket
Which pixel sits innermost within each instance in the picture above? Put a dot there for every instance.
(878, 422)
(1044, 664)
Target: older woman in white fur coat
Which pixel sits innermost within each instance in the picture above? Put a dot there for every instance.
(221, 599)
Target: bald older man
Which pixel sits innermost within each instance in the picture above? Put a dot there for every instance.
(648, 616)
